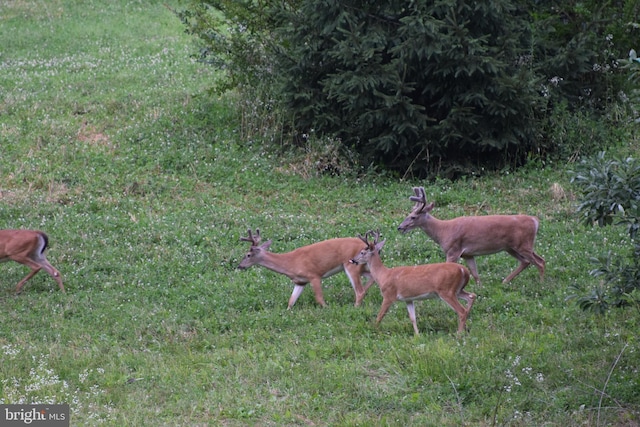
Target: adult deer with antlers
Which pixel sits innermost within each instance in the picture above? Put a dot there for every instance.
(469, 236)
(27, 247)
(310, 264)
(409, 284)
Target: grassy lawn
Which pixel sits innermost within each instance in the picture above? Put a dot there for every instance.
(110, 143)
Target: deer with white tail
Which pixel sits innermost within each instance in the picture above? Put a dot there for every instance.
(469, 236)
(413, 283)
(27, 247)
(310, 264)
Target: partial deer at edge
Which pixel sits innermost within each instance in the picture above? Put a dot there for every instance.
(310, 264)
(27, 247)
(409, 284)
(469, 236)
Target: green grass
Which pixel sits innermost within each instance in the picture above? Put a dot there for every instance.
(110, 144)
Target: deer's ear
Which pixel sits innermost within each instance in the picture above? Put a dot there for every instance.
(266, 245)
(380, 245)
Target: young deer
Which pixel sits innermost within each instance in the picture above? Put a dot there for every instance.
(470, 236)
(27, 247)
(310, 264)
(409, 284)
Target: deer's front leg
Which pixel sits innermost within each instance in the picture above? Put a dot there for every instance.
(297, 290)
(386, 303)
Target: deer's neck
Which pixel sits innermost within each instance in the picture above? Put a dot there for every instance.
(377, 269)
(435, 228)
(280, 263)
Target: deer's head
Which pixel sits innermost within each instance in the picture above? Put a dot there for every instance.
(421, 211)
(254, 256)
(372, 247)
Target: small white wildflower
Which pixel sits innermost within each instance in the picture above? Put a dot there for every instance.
(516, 361)
(512, 377)
(83, 375)
(10, 350)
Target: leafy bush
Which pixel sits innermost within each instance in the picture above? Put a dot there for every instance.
(633, 66)
(234, 38)
(611, 191)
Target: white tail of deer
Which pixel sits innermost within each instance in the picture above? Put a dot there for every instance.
(310, 264)
(409, 284)
(27, 247)
(469, 236)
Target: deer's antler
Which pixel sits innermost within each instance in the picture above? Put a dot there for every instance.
(374, 234)
(365, 239)
(420, 198)
(253, 239)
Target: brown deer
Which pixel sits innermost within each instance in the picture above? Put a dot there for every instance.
(310, 264)
(27, 247)
(409, 284)
(469, 236)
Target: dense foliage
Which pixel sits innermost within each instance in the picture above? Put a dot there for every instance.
(425, 86)
(579, 44)
(424, 81)
(611, 195)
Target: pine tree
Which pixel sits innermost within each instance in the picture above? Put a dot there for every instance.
(411, 83)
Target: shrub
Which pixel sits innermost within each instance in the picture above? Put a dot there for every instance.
(611, 192)
(633, 66)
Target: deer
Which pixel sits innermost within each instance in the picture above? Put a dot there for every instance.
(470, 236)
(310, 264)
(27, 247)
(413, 283)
